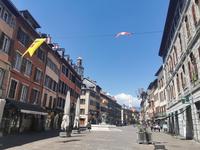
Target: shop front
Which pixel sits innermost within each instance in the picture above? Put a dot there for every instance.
(20, 117)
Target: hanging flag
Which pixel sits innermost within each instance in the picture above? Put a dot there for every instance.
(122, 34)
(34, 46)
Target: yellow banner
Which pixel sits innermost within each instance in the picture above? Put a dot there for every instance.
(34, 46)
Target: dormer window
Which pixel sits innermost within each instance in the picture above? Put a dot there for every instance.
(29, 19)
(5, 16)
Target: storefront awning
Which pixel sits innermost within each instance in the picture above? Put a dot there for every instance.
(25, 107)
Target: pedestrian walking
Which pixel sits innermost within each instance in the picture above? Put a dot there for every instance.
(89, 126)
(165, 127)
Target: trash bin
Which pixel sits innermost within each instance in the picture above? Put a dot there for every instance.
(148, 138)
(141, 137)
(144, 137)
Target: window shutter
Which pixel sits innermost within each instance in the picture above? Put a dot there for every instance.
(35, 73)
(23, 66)
(19, 92)
(1, 40)
(11, 46)
(13, 59)
(19, 34)
(27, 94)
(31, 96)
(31, 69)
(190, 72)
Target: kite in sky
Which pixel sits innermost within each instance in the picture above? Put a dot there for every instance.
(123, 34)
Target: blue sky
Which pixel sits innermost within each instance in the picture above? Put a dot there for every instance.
(120, 66)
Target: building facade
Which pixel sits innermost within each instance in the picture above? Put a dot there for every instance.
(90, 102)
(7, 27)
(180, 50)
(160, 105)
(34, 87)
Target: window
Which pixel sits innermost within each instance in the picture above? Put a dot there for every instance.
(35, 94)
(47, 81)
(54, 103)
(23, 37)
(45, 100)
(50, 101)
(24, 93)
(38, 75)
(65, 70)
(53, 66)
(4, 43)
(50, 83)
(194, 15)
(55, 85)
(18, 61)
(5, 16)
(193, 68)
(190, 71)
(180, 41)
(82, 111)
(187, 27)
(197, 2)
(12, 90)
(199, 52)
(28, 68)
(73, 79)
(183, 79)
(82, 101)
(83, 92)
(2, 73)
(12, 22)
(177, 82)
(41, 55)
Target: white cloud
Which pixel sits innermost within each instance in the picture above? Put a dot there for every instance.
(127, 99)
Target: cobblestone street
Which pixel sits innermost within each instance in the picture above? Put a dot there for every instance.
(126, 139)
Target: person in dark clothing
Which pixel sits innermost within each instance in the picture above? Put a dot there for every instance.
(89, 126)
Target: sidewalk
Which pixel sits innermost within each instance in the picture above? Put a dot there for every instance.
(20, 139)
(172, 143)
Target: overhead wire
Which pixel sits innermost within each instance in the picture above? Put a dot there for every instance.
(104, 35)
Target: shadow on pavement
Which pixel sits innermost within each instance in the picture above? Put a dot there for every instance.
(160, 142)
(78, 135)
(20, 139)
(67, 141)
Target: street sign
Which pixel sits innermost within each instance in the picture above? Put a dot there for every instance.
(185, 99)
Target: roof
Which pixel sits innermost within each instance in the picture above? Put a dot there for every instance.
(159, 70)
(167, 28)
(27, 15)
(152, 84)
(64, 61)
(11, 7)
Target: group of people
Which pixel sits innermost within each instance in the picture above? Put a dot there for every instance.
(157, 127)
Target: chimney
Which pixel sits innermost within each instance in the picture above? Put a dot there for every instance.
(48, 40)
